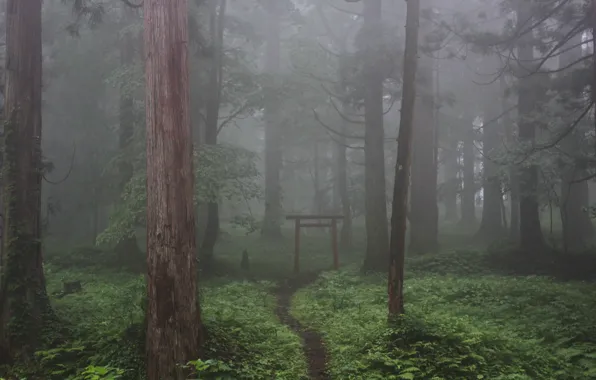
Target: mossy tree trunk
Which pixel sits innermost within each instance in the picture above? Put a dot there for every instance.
(24, 306)
(173, 312)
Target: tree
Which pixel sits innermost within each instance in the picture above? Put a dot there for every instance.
(424, 211)
(216, 22)
(377, 238)
(574, 198)
(173, 312)
(491, 224)
(273, 135)
(126, 118)
(468, 195)
(399, 210)
(531, 237)
(24, 306)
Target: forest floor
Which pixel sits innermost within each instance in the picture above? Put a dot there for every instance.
(470, 314)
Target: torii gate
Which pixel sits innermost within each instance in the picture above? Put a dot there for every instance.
(331, 221)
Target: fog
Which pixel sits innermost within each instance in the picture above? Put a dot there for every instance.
(271, 189)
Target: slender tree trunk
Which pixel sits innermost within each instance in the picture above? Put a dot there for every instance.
(451, 184)
(173, 313)
(424, 213)
(491, 225)
(513, 175)
(23, 296)
(342, 165)
(317, 204)
(128, 246)
(212, 124)
(531, 237)
(377, 234)
(575, 197)
(468, 198)
(397, 248)
(271, 227)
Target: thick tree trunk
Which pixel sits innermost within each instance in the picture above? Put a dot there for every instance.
(173, 313)
(24, 305)
(271, 227)
(212, 124)
(531, 237)
(397, 248)
(424, 212)
(128, 245)
(468, 197)
(377, 234)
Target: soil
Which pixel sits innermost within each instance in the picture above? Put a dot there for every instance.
(312, 341)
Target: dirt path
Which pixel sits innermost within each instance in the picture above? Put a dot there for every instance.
(312, 341)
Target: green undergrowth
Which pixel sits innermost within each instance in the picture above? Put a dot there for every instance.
(104, 321)
(473, 327)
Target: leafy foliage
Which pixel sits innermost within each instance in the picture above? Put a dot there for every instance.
(221, 172)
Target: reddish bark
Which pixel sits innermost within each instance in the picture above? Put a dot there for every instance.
(24, 306)
(173, 313)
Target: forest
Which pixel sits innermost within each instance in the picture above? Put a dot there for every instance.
(297, 189)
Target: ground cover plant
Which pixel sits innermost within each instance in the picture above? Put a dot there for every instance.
(104, 326)
(472, 326)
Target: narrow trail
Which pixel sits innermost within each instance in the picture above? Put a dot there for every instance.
(312, 341)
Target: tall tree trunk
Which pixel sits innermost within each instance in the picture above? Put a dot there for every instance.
(173, 313)
(317, 204)
(451, 184)
(377, 234)
(23, 296)
(491, 225)
(128, 246)
(212, 124)
(575, 197)
(424, 213)
(531, 237)
(512, 172)
(468, 195)
(397, 248)
(342, 169)
(271, 227)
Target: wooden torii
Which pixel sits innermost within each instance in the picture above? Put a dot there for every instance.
(330, 221)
